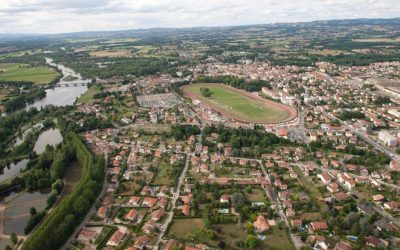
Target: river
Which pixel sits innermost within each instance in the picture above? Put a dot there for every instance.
(62, 95)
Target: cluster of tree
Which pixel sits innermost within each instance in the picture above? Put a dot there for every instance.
(348, 115)
(20, 101)
(206, 92)
(373, 161)
(34, 220)
(60, 224)
(138, 66)
(90, 122)
(183, 132)
(244, 142)
(9, 126)
(381, 100)
(236, 82)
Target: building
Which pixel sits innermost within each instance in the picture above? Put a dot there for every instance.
(86, 236)
(115, 238)
(261, 224)
(142, 242)
(387, 138)
(319, 225)
(342, 246)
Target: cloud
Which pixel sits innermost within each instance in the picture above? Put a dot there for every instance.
(59, 16)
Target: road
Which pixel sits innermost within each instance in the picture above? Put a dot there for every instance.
(365, 137)
(175, 197)
(296, 241)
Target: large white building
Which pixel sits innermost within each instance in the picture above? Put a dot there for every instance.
(387, 138)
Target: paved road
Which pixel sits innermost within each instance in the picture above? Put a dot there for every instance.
(175, 197)
(271, 194)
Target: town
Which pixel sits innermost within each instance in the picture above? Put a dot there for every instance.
(167, 148)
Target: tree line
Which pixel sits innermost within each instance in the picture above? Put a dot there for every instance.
(63, 220)
(236, 82)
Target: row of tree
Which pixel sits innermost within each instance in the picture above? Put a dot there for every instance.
(61, 222)
(235, 82)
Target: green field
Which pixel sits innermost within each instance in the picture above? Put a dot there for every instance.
(87, 97)
(238, 106)
(22, 72)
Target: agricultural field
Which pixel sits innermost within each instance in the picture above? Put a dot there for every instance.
(23, 72)
(239, 105)
(111, 53)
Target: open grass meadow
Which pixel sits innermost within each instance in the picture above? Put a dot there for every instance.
(236, 105)
(23, 72)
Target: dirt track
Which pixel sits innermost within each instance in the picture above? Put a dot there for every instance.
(292, 111)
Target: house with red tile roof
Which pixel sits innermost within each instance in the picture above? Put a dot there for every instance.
(261, 224)
(142, 242)
(115, 238)
(319, 225)
(149, 201)
(131, 215)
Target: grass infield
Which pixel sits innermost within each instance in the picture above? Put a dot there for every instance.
(240, 105)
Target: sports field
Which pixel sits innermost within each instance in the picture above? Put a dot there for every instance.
(22, 72)
(240, 105)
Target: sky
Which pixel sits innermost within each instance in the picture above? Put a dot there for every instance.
(64, 16)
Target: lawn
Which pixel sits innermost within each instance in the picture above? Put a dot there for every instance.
(256, 195)
(183, 229)
(311, 188)
(277, 239)
(23, 72)
(239, 105)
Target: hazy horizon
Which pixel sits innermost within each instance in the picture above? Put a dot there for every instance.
(60, 16)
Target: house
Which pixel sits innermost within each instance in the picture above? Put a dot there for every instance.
(349, 183)
(341, 196)
(319, 225)
(131, 215)
(261, 224)
(296, 223)
(290, 212)
(147, 190)
(157, 215)
(325, 178)
(186, 199)
(394, 165)
(102, 212)
(282, 132)
(341, 245)
(224, 198)
(115, 238)
(149, 227)
(86, 236)
(134, 200)
(385, 224)
(172, 244)
(366, 208)
(204, 168)
(142, 242)
(378, 197)
(149, 201)
(372, 241)
(186, 210)
(333, 187)
(391, 205)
